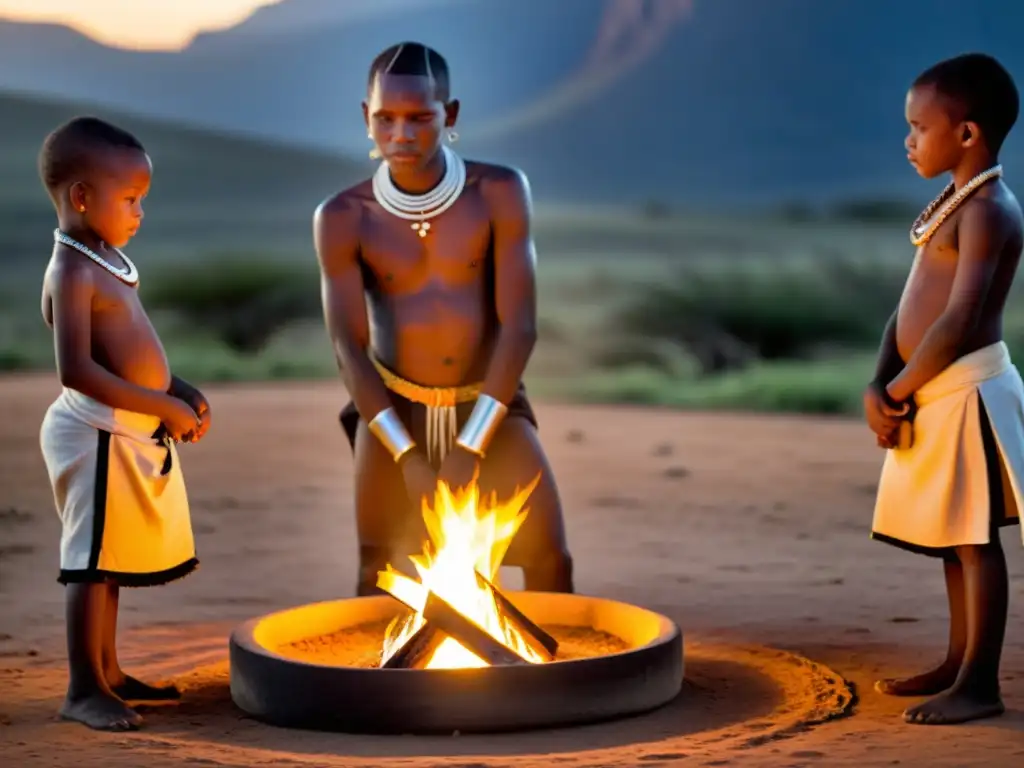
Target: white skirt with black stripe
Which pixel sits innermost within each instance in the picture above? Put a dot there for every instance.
(120, 495)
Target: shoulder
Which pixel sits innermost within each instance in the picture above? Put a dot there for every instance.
(70, 279)
(346, 205)
(504, 187)
(69, 270)
(993, 214)
(339, 215)
(495, 178)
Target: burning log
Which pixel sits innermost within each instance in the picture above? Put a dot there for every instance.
(440, 615)
(416, 652)
(540, 642)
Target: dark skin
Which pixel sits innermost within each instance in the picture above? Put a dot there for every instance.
(437, 324)
(953, 305)
(107, 349)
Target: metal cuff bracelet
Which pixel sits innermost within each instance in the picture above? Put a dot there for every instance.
(388, 428)
(481, 425)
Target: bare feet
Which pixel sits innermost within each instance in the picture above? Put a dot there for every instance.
(102, 712)
(137, 691)
(955, 706)
(926, 684)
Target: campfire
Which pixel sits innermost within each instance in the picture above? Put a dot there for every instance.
(458, 616)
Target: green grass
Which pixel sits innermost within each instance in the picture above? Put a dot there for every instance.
(772, 313)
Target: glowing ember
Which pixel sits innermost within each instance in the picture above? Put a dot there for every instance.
(466, 537)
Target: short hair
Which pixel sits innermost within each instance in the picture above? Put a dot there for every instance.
(983, 89)
(72, 147)
(411, 58)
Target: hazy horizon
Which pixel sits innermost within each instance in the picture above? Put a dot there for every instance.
(135, 24)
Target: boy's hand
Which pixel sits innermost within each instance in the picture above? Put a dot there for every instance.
(181, 421)
(881, 415)
(198, 402)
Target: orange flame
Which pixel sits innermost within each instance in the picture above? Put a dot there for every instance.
(466, 537)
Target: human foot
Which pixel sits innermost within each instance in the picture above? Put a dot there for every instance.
(955, 706)
(926, 684)
(101, 712)
(134, 690)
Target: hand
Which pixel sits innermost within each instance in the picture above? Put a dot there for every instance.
(420, 478)
(881, 416)
(198, 403)
(459, 469)
(181, 421)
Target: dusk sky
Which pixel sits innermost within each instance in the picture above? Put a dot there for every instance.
(153, 24)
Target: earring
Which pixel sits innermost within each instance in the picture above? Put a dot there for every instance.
(374, 153)
(81, 209)
(452, 137)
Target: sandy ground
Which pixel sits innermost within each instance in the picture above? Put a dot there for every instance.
(751, 532)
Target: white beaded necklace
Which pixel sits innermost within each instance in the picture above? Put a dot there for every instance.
(420, 208)
(922, 229)
(128, 275)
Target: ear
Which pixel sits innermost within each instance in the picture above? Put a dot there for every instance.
(78, 196)
(451, 113)
(366, 115)
(971, 134)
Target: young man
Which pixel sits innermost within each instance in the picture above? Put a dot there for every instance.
(436, 256)
(108, 438)
(947, 401)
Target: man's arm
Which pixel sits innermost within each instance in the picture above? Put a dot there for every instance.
(982, 232)
(515, 284)
(336, 236)
(515, 296)
(72, 292)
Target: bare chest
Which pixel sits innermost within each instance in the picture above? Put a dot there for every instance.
(455, 251)
(934, 264)
(118, 306)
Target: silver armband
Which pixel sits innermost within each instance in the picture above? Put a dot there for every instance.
(481, 425)
(388, 428)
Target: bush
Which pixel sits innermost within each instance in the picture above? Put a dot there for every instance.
(730, 317)
(242, 302)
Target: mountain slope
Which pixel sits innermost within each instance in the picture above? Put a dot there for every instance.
(210, 191)
(708, 101)
(760, 101)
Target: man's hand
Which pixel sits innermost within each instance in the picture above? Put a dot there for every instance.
(459, 469)
(420, 478)
(198, 402)
(883, 418)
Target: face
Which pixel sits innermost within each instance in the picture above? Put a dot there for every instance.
(936, 142)
(406, 120)
(113, 195)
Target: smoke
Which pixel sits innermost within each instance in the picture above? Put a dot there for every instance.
(629, 32)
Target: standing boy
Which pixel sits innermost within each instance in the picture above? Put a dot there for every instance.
(947, 401)
(107, 440)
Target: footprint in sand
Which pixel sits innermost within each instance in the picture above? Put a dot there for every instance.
(12, 516)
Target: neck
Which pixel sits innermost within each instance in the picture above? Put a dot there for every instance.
(420, 180)
(77, 230)
(971, 166)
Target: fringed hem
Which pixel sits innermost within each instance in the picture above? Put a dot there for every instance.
(129, 580)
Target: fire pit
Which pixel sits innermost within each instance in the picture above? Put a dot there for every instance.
(452, 652)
